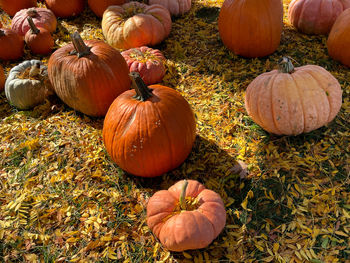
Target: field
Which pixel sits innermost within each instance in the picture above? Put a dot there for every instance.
(287, 199)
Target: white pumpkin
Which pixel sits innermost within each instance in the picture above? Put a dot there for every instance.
(27, 84)
(175, 7)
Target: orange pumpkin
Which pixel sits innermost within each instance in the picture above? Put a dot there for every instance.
(65, 8)
(88, 75)
(149, 131)
(186, 216)
(38, 39)
(291, 101)
(135, 24)
(251, 28)
(11, 7)
(338, 42)
(315, 16)
(11, 44)
(2, 78)
(99, 6)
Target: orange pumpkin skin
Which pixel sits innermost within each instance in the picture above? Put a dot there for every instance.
(11, 44)
(251, 28)
(91, 82)
(65, 8)
(11, 7)
(315, 16)
(293, 103)
(179, 231)
(2, 78)
(339, 39)
(99, 6)
(149, 138)
(135, 24)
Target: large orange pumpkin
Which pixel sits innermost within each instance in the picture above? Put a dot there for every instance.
(186, 216)
(291, 101)
(251, 28)
(99, 6)
(2, 78)
(66, 8)
(11, 7)
(88, 75)
(11, 44)
(338, 42)
(149, 131)
(135, 24)
(315, 16)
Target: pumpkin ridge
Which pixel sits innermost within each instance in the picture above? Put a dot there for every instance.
(300, 99)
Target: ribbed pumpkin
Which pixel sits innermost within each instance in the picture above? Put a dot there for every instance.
(2, 78)
(11, 44)
(38, 39)
(315, 16)
(186, 216)
(11, 7)
(42, 17)
(338, 42)
(88, 75)
(291, 101)
(147, 61)
(251, 28)
(99, 6)
(149, 131)
(66, 8)
(175, 7)
(135, 24)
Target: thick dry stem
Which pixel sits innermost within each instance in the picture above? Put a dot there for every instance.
(33, 27)
(285, 65)
(183, 195)
(142, 91)
(81, 49)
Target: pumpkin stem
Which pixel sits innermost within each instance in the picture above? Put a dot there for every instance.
(33, 27)
(183, 195)
(142, 91)
(31, 12)
(80, 48)
(285, 65)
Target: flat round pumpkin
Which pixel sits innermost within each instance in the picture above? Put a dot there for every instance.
(175, 7)
(186, 216)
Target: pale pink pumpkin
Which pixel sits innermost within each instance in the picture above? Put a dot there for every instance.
(186, 216)
(175, 7)
(315, 16)
(148, 62)
(42, 17)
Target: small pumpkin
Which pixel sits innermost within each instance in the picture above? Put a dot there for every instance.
(66, 8)
(135, 24)
(146, 61)
(251, 28)
(38, 39)
(11, 7)
(42, 17)
(99, 6)
(149, 131)
(338, 41)
(88, 75)
(186, 216)
(11, 44)
(2, 78)
(291, 101)
(315, 16)
(175, 7)
(27, 84)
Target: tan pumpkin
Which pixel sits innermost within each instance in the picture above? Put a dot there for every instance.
(135, 24)
(186, 216)
(99, 6)
(291, 101)
(175, 7)
(338, 42)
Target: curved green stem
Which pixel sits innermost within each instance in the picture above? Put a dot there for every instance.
(81, 49)
(142, 91)
(33, 27)
(183, 195)
(285, 65)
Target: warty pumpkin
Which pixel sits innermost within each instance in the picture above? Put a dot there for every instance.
(27, 84)
(88, 75)
(147, 61)
(251, 28)
(175, 7)
(42, 17)
(338, 42)
(38, 39)
(186, 216)
(65, 8)
(315, 16)
(11, 7)
(135, 24)
(99, 6)
(149, 131)
(11, 44)
(291, 101)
